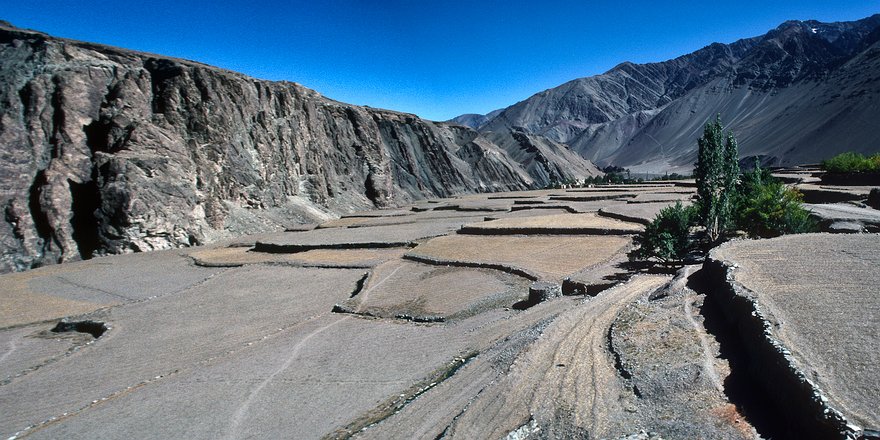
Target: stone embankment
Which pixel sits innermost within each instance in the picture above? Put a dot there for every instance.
(805, 308)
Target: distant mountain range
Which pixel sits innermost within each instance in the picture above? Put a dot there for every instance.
(800, 93)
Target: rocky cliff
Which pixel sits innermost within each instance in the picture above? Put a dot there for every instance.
(800, 93)
(106, 150)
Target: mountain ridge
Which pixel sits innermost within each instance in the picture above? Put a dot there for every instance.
(607, 117)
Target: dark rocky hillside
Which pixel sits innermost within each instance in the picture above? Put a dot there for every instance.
(800, 93)
(106, 150)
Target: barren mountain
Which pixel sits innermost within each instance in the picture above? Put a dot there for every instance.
(106, 150)
(474, 120)
(800, 93)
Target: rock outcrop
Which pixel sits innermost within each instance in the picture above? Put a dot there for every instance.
(106, 150)
(799, 94)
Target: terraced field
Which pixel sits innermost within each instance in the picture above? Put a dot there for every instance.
(417, 322)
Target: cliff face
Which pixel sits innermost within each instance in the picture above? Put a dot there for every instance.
(106, 151)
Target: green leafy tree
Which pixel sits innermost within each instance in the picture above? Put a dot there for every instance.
(667, 238)
(716, 173)
(850, 162)
(766, 208)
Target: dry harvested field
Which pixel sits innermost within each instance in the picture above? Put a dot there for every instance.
(414, 322)
(581, 224)
(545, 257)
(346, 258)
(819, 295)
(634, 212)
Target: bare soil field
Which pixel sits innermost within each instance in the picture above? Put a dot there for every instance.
(408, 290)
(818, 293)
(642, 213)
(399, 323)
(343, 258)
(546, 257)
(581, 224)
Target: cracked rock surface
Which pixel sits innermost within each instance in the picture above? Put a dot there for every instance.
(109, 151)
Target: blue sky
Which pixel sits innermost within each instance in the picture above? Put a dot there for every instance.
(435, 59)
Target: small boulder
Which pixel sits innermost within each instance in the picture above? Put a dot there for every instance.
(846, 227)
(874, 198)
(541, 291)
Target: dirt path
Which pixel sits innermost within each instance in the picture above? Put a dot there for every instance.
(708, 355)
(565, 384)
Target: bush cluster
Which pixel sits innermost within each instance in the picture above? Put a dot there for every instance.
(753, 202)
(764, 207)
(852, 163)
(668, 238)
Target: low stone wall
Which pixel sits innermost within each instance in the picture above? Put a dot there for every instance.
(851, 179)
(803, 405)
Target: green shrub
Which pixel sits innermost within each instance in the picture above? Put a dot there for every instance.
(850, 162)
(765, 207)
(667, 237)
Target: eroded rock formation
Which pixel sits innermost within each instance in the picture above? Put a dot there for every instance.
(107, 150)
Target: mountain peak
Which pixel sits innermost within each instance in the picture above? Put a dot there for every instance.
(637, 114)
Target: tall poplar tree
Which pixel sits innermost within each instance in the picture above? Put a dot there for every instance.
(716, 172)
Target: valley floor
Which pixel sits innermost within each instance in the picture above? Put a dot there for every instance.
(509, 315)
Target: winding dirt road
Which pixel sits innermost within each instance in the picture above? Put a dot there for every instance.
(565, 384)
